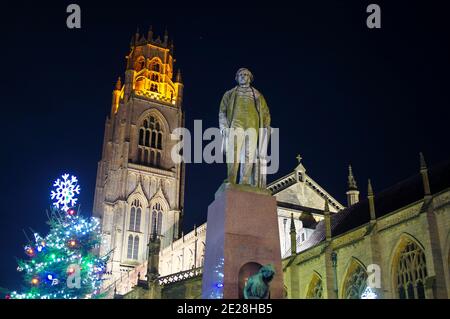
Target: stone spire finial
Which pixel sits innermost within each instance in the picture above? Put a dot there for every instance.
(150, 34)
(369, 188)
(327, 220)
(136, 38)
(179, 79)
(424, 173)
(118, 84)
(327, 207)
(166, 36)
(351, 179)
(293, 234)
(299, 158)
(370, 197)
(423, 164)
(352, 192)
(292, 228)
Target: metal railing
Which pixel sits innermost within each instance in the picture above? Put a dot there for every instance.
(180, 276)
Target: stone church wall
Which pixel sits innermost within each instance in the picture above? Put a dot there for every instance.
(408, 223)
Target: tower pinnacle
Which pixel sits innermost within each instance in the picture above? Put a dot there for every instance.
(118, 84)
(179, 79)
(353, 192)
(351, 179)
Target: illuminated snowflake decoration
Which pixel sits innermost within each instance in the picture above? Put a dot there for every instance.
(369, 294)
(65, 191)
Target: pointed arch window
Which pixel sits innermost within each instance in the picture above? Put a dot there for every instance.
(136, 247)
(157, 215)
(150, 142)
(315, 290)
(156, 67)
(133, 247)
(355, 282)
(135, 216)
(411, 272)
(140, 63)
(130, 247)
(154, 87)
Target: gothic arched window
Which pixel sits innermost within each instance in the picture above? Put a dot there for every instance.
(136, 247)
(154, 87)
(315, 290)
(150, 142)
(130, 247)
(135, 216)
(133, 247)
(411, 272)
(355, 281)
(159, 141)
(156, 67)
(153, 144)
(141, 136)
(132, 217)
(156, 219)
(139, 65)
(155, 77)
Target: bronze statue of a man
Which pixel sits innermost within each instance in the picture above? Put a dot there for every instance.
(243, 112)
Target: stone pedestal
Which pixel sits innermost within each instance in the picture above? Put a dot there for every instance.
(242, 231)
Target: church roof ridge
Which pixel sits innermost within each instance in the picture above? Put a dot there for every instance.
(290, 179)
(391, 199)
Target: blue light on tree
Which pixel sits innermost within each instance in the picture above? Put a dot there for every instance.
(65, 191)
(63, 264)
(217, 291)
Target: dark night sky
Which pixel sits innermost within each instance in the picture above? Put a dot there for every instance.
(339, 92)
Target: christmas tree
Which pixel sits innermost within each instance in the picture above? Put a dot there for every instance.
(63, 264)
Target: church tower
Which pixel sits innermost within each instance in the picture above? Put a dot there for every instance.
(139, 189)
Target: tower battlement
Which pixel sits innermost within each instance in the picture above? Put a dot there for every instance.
(150, 72)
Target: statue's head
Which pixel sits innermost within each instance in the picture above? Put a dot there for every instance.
(244, 77)
(267, 272)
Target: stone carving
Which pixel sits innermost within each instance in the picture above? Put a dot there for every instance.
(244, 121)
(257, 286)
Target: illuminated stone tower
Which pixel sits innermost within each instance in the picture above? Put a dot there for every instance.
(139, 189)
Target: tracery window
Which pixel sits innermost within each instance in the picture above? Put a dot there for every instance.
(315, 290)
(135, 216)
(133, 247)
(150, 142)
(156, 67)
(156, 219)
(139, 65)
(355, 282)
(411, 272)
(136, 247)
(154, 87)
